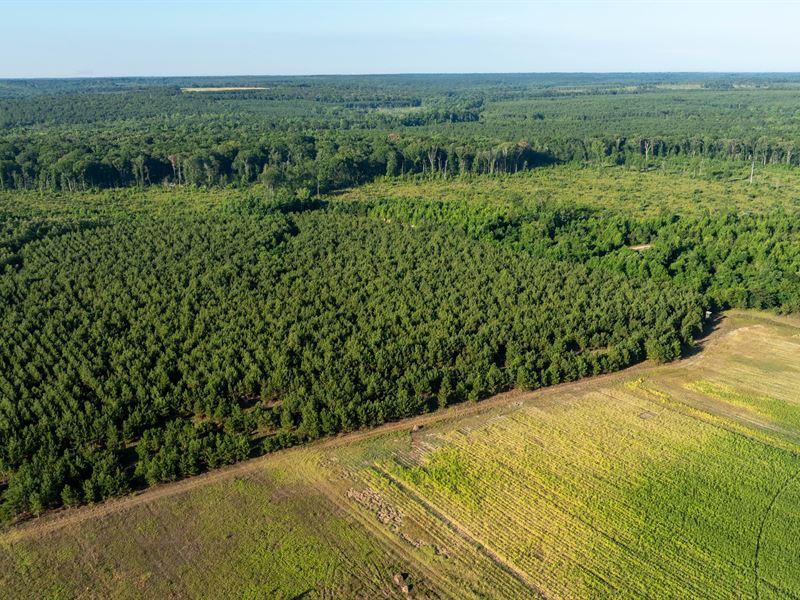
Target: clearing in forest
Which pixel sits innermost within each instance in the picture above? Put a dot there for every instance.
(675, 481)
(693, 190)
(222, 89)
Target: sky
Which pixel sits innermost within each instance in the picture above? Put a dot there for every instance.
(85, 38)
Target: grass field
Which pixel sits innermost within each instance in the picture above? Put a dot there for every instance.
(222, 89)
(694, 187)
(676, 481)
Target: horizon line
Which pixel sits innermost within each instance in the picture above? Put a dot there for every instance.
(396, 73)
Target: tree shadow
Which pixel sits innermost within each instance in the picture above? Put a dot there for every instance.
(710, 326)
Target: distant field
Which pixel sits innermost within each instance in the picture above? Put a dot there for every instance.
(222, 89)
(662, 482)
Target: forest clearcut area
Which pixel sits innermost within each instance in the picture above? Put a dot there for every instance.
(188, 280)
(221, 89)
(674, 481)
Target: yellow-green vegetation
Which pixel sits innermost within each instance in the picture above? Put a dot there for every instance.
(223, 89)
(765, 406)
(674, 481)
(693, 188)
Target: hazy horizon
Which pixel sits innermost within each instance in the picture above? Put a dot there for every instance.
(396, 74)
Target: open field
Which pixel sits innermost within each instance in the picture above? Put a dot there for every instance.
(693, 189)
(222, 89)
(661, 482)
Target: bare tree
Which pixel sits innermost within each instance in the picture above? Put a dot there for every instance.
(433, 151)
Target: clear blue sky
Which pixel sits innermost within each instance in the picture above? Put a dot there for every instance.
(70, 38)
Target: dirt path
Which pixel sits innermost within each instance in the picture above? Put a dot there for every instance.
(58, 519)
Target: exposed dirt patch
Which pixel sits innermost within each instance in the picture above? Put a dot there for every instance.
(374, 502)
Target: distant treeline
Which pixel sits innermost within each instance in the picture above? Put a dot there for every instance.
(319, 134)
(319, 164)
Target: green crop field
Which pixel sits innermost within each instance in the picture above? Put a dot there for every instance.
(673, 481)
